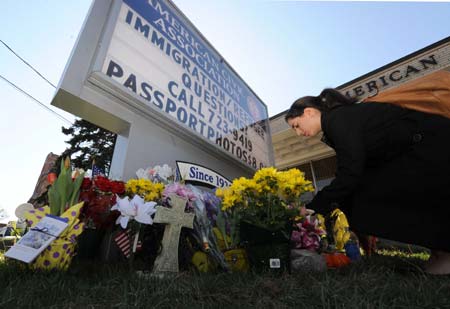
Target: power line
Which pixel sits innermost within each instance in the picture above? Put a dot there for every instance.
(36, 100)
(37, 72)
(26, 93)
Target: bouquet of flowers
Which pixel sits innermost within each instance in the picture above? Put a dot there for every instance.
(270, 200)
(261, 211)
(182, 191)
(143, 194)
(99, 194)
(308, 232)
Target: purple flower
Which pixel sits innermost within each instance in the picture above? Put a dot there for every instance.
(212, 203)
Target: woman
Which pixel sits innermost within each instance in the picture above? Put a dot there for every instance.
(393, 169)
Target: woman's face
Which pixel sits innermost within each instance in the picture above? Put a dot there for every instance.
(308, 124)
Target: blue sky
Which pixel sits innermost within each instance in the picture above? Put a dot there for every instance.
(282, 49)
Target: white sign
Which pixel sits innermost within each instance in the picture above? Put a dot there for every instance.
(156, 54)
(200, 174)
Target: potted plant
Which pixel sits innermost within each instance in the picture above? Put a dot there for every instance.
(266, 206)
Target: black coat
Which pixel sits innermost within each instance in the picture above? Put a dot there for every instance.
(393, 172)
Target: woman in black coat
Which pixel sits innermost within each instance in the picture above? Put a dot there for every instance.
(393, 169)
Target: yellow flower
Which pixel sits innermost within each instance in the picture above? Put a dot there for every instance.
(264, 173)
(145, 188)
(270, 197)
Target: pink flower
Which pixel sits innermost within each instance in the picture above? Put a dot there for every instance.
(180, 190)
(310, 242)
(307, 235)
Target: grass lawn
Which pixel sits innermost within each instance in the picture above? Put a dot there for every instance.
(390, 280)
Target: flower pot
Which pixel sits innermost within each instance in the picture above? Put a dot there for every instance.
(267, 250)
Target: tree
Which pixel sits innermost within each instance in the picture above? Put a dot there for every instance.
(89, 142)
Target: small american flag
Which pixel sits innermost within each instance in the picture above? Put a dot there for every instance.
(122, 240)
(177, 175)
(96, 171)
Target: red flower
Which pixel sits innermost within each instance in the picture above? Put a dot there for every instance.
(98, 197)
(98, 208)
(102, 183)
(118, 187)
(87, 183)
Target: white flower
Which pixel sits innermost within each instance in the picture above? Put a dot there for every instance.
(135, 209)
(145, 212)
(141, 173)
(126, 209)
(165, 172)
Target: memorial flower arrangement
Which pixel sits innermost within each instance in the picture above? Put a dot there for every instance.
(270, 200)
(143, 194)
(261, 212)
(141, 197)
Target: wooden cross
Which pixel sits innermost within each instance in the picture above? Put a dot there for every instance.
(175, 218)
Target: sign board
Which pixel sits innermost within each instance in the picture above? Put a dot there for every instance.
(195, 173)
(148, 59)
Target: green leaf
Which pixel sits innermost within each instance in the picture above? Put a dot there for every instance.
(64, 192)
(61, 187)
(235, 228)
(76, 190)
(54, 201)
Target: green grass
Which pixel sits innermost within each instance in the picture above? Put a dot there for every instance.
(382, 281)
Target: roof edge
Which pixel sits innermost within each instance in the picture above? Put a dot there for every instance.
(418, 52)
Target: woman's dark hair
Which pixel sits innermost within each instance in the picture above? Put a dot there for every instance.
(327, 100)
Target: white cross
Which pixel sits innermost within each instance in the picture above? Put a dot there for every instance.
(175, 218)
